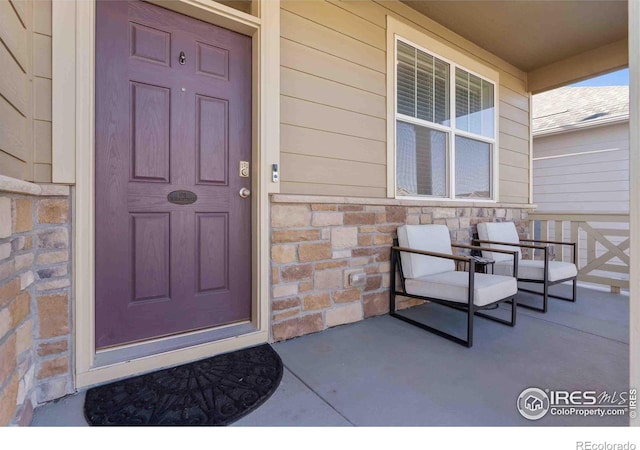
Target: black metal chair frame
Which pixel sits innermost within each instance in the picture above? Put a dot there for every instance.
(534, 244)
(471, 309)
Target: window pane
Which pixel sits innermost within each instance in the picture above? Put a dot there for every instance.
(473, 168)
(406, 79)
(421, 160)
(474, 104)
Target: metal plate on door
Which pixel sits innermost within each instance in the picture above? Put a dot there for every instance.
(182, 197)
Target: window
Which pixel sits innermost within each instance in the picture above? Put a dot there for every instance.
(445, 127)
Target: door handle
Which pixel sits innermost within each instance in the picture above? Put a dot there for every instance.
(244, 192)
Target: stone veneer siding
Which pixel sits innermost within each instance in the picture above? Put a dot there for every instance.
(35, 299)
(316, 246)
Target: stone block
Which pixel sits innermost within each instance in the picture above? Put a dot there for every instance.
(52, 272)
(323, 207)
(373, 282)
(375, 304)
(53, 389)
(53, 314)
(53, 211)
(344, 237)
(327, 279)
(298, 326)
(26, 279)
(290, 216)
(295, 236)
(5, 217)
(52, 348)
(53, 257)
(316, 301)
(5, 322)
(346, 296)
(314, 252)
(324, 219)
(413, 220)
(359, 218)
(396, 214)
(7, 358)
(305, 286)
(24, 337)
(276, 317)
(286, 303)
(443, 213)
(383, 239)
(5, 250)
(296, 272)
(365, 240)
(344, 314)
(55, 238)
(23, 261)
(330, 265)
(7, 269)
(53, 367)
(339, 254)
(8, 397)
(20, 308)
(286, 290)
(350, 208)
(53, 284)
(8, 290)
(283, 253)
(23, 215)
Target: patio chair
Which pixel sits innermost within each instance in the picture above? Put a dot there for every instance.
(423, 256)
(503, 235)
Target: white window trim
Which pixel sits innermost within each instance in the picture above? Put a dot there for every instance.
(400, 31)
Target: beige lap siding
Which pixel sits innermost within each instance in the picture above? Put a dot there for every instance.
(35, 294)
(316, 246)
(25, 89)
(333, 99)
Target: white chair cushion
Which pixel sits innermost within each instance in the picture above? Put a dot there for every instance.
(501, 232)
(534, 270)
(454, 286)
(431, 238)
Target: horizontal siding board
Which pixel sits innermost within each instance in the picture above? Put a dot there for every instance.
(510, 173)
(13, 34)
(517, 99)
(585, 168)
(13, 132)
(514, 144)
(331, 171)
(513, 113)
(331, 189)
(572, 198)
(321, 117)
(310, 34)
(42, 173)
(42, 141)
(299, 57)
(306, 141)
(546, 151)
(585, 188)
(13, 82)
(514, 189)
(592, 177)
(42, 104)
(369, 11)
(42, 17)
(319, 90)
(337, 19)
(11, 166)
(42, 55)
(508, 126)
(583, 158)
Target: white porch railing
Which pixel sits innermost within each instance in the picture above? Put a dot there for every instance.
(603, 244)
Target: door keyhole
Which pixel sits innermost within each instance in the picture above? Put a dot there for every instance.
(182, 58)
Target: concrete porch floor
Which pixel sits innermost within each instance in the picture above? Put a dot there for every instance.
(384, 372)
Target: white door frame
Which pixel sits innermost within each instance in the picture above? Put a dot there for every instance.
(74, 160)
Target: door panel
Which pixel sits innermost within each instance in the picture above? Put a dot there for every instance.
(161, 126)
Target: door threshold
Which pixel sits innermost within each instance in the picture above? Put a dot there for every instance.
(167, 344)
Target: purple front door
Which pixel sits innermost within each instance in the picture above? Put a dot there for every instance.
(173, 124)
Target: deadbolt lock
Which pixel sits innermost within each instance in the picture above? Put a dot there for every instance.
(244, 169)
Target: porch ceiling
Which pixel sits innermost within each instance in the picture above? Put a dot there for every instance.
(535, 35)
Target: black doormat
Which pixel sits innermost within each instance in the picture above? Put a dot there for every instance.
(213, 391)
